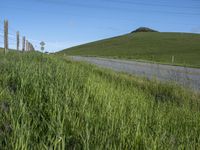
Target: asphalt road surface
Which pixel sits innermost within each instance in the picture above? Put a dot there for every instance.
(187, 77)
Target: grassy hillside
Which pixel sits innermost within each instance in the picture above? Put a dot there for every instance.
(151, 46)
(48, 102)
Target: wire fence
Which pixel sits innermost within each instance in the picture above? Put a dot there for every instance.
(14, 40)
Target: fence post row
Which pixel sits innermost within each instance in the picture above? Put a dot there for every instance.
(26, 45)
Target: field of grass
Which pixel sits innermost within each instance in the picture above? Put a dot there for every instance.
(48, 102)
(151, 46)
(1, 50)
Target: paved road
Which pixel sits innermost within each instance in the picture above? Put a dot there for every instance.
(188, 77)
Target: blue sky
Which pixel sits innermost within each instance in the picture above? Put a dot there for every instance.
(66, 23)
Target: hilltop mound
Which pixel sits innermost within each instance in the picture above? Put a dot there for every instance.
(144, 29)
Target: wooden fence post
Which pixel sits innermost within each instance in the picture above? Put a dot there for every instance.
(26, 49)
(23, 43)
(5, 36)
(17, 40)
(172, 59)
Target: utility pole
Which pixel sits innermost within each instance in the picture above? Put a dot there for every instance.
(17, 40)
(5, 36)
(23, 43)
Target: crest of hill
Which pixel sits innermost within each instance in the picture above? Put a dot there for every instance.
(144, 29)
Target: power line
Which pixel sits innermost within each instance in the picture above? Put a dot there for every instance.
(10, 27)
(114, 8)
(11, 35)
(150, 4)
(12, 43)
(14, 40)
(2, 22)
(117, 1)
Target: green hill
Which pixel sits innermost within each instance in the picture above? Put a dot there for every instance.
(151, 46)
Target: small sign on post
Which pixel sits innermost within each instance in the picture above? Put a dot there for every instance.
(42, 46)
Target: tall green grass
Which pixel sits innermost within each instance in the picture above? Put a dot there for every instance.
(48, 102)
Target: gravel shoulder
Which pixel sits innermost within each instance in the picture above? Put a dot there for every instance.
(185, 76)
